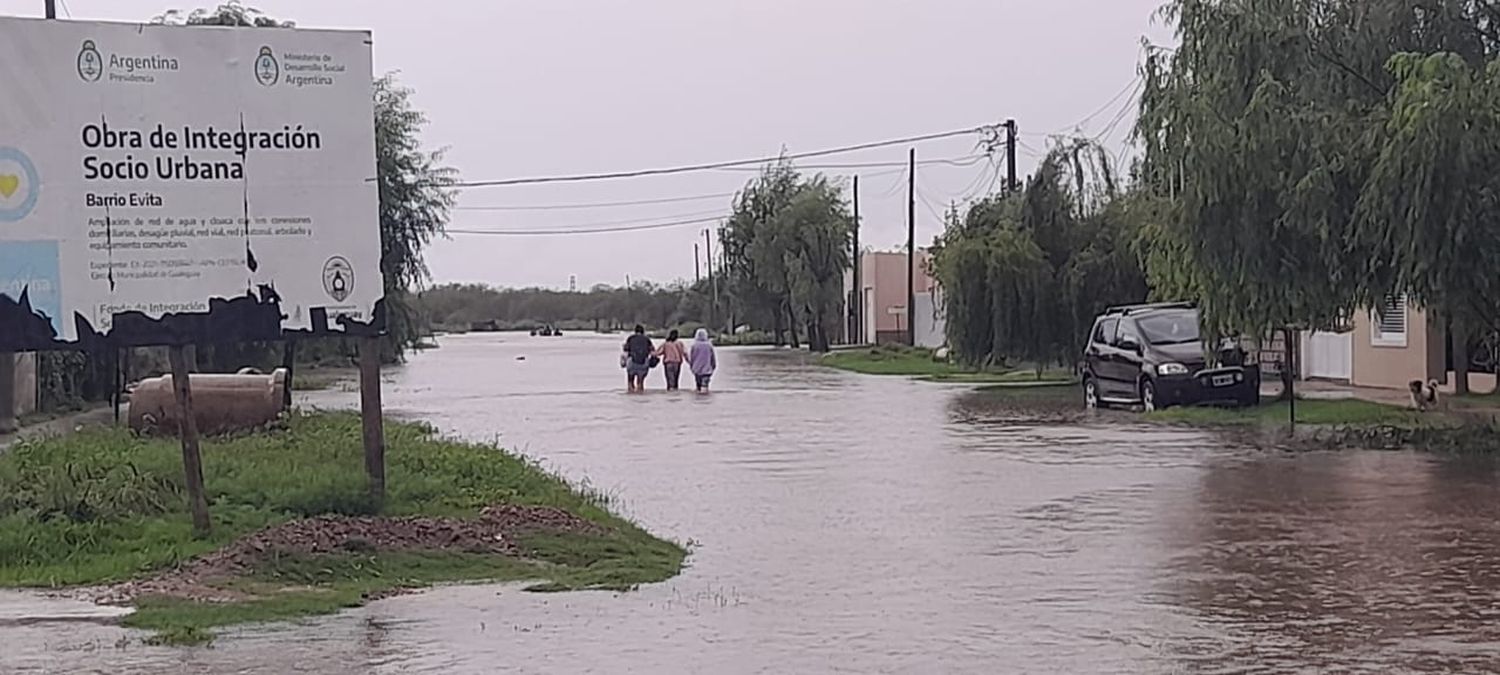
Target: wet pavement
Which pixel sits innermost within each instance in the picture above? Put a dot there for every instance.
(845, 523)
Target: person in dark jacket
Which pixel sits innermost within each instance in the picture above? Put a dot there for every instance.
(638, 352)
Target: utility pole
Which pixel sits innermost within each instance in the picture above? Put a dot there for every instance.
(857, 336)
(697, 268)
(1010, 157)
(708, 244)
(51, 10)
(911, 249)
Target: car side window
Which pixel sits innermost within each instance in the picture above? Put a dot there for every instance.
(1104, 331)
(1128, 333)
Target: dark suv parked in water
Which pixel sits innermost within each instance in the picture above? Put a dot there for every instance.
(1154, 356)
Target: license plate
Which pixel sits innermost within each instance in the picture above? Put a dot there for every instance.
(1222, 380)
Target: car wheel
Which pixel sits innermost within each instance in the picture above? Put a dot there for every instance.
(1250, 400)
(1091, 394)
(1148, 396)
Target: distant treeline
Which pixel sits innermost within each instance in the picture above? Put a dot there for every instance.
(463, 307)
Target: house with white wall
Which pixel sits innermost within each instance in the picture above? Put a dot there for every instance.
(1387, 348)
(879, 295)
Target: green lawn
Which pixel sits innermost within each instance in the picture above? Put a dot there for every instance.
(919, 363)
(1477, 401)
(105, 506)
(1318, 412)
(319, 379)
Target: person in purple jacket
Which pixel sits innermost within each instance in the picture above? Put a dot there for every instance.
(701, 359)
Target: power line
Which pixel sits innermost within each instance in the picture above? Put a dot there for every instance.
(935, 211)
(965, 160)
(588, 230)
(596, 205)
(1109, 131)
(969, 191)
(631, 221)
(962, 161)
(1129, 88)
(901, 181)
(719, 165)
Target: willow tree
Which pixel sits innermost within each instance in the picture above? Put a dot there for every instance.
(755, 282)
(821, 227)
(785, 248)
(1431, 210)
(1259, 165)
(1023, 275)
(1260, 134)
(960, 264)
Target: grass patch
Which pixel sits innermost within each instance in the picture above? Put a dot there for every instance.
(1048, 377)
(1341, 412)
(104, 506)
(301, 586)
(920, 363)
(1477, 400)
(321, 379)
(1050, 388)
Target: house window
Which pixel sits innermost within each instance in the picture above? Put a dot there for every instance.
(1389, 322)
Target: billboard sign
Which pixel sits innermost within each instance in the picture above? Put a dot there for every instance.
(166, 184)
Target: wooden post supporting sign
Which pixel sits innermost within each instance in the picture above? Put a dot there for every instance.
(187, 428)
(371, 417)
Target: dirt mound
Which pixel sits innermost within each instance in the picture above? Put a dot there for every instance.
(492, 532)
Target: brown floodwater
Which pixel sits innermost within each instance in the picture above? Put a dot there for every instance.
(844, 523)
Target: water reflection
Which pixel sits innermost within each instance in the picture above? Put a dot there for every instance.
(1366, 561)
(865, 524)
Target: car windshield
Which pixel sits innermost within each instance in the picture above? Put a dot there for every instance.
(1170, 328)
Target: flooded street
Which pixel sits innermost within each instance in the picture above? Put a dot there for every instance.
(846, 523)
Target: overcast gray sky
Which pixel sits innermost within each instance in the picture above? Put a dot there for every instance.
(562, 87)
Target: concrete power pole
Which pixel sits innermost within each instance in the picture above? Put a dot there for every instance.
(857, 335)
(911, 249)
(1010, 157)
(708, 259)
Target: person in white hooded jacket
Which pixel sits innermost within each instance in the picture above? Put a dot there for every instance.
(702, 360)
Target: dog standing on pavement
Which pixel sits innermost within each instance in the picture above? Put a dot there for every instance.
(1424, 396)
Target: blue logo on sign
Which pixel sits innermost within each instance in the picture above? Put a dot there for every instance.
(19, 185)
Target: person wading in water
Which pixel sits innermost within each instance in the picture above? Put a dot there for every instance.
(672, 354)
(638, 354)
(702, 360)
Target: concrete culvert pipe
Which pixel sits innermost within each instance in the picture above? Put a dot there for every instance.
(222, 403)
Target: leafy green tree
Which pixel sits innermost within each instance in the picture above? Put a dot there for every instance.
(1260, 178)
(416, 197)
(1261, 132)
(960, 264)
(819, 226)
(1024, 275)
(785, 248)
(1431, 210)
(231, 13)
(752, 275)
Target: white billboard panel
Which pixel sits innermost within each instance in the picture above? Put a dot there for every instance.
(165, 183)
